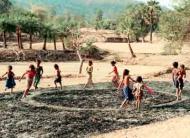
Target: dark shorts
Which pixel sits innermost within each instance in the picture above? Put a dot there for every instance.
(128, 93)
(179, 83)
(58, 80)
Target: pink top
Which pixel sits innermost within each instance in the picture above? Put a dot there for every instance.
(115, 70)
(31, 74)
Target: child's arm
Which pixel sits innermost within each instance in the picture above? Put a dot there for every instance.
(4, 75)
(42, 71)
(132, 79)
(22, 76)
(185, 75)
(120, 85)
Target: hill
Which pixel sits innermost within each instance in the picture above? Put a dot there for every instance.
(83, 7)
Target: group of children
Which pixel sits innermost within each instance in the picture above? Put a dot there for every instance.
(178, 76)
(34, 75)
(129, 93)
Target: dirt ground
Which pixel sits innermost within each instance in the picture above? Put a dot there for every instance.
(149, 60)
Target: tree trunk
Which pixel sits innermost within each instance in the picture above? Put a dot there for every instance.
(63, 44)
(4, 39)
(130, 48)
(30, 40)
(45, 41)
(143, 39)
(54, 42)
(81, 61)
(20, 40)
(151, 26)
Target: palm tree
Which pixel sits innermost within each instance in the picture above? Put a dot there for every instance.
(153, 10)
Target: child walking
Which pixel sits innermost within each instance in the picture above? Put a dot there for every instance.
(30, 77)
(181, 77)
(39, 73)
(126, 88)
(138, 91)
(115, 79)
(89, 71)
(10, 82)
(58, 78)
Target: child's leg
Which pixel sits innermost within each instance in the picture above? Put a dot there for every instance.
(177, 93)
(123, 103)
(11, 90)
(36, 82)
(55, 82)
(61, 85)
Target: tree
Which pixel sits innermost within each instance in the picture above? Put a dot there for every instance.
(99, 19)
(173, 27)
(127, 26)
(153, 11)
(6, 26)
(5, 6)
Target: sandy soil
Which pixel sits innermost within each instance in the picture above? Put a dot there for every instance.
(70, 71)
(172, 128)
(149, 61)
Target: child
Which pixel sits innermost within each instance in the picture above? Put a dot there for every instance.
(39, 73)
(115, 79)
(58, 78)
(126, 89)
(89, 71)
(10, 82)
(138, 91)
(181, 75)
(30, 77)
(175, 78)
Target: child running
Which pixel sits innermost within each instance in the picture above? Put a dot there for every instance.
(175, 78)
(126, 88)
(10, 82)
(181, 77)
(89, 71)
(58, 78)
(30, 77)
(115, 79)
(138, 91)
(39, 73)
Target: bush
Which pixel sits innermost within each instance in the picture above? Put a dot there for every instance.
(173, 48)
(91, 51)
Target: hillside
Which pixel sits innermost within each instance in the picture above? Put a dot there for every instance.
(83, 7)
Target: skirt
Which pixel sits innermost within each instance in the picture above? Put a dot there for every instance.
(10, 83)
(127, 92)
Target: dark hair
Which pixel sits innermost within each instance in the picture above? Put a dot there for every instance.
(10, 67)
(56, 66)
(32, 67)
(139, 79)
(125, 73)
(90, 62)
(182, 66)
(113, 63)
(175, 64)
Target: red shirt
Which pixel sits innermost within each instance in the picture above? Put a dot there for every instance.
(115, 70)
(31, 74)
(181, 73)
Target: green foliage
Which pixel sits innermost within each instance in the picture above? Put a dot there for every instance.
(90, 50)
(5, 6)
(173, 26)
